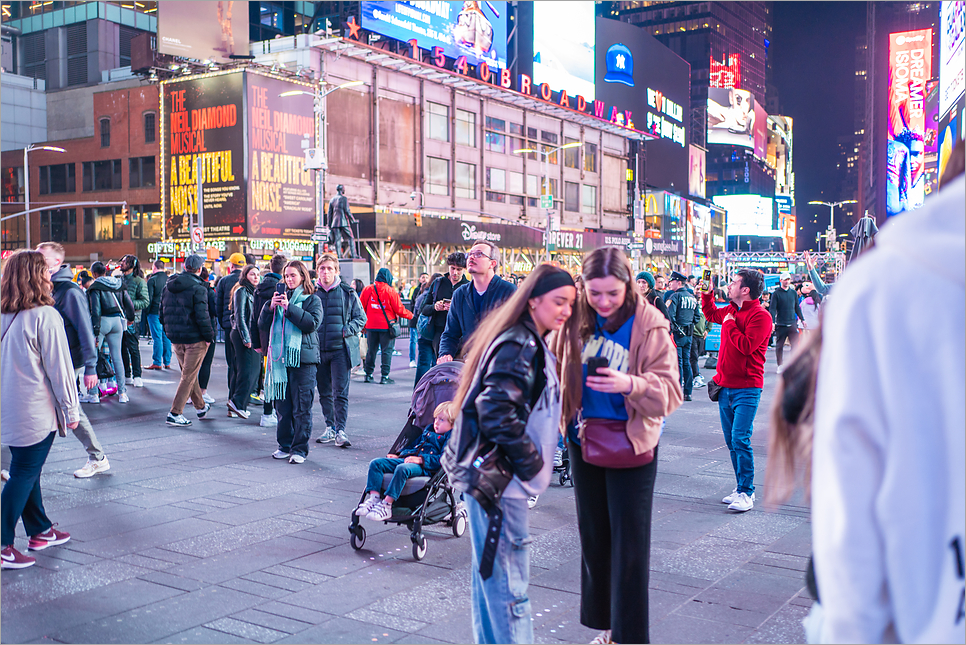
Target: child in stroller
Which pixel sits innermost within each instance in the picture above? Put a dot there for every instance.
(419, 460)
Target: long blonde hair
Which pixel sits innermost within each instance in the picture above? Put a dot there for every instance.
(494, 324)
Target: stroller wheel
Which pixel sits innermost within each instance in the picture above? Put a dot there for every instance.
(419, 547)
(358, 538)
(459, 525)
(563, 477)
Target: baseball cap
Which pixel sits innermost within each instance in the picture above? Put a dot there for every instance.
(678, 276)
(237, 259)
(785, 276)
(620, 65)
(194, 262)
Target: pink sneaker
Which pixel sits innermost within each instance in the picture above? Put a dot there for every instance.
(51, 538)
(14, 559)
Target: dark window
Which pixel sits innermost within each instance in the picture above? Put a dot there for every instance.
(105, 133)
(58, 225)
(149, 128)
(571, 196)
(495, 197)
(548, 137)
(102, 175)
(57, 179)
(142, 172)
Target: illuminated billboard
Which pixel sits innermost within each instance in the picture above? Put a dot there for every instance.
(476, 30)
(761, 131)
(910, 66)
(203, 30)
(748, 215)
(952, 53)
(701, 223)
(564, 42)
(696, 171)
(731, 117)
(725, 73)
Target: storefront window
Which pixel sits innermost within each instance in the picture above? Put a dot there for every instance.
(100, 224)
(465, 180)
(465, 128)
(437, 121)
(588, 202)
(437, 176)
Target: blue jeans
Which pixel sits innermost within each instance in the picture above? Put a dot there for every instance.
(737, 408)
(412, 341)
(21, 496)
(401, 472)
(425, 358)
(684, 363)
(501, 607)
(161, 346)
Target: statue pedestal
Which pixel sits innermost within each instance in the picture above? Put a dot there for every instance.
(355, 269)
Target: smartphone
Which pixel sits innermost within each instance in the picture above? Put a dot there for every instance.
(280, 287)
(446, 300)
(594, 363)
(706, 277)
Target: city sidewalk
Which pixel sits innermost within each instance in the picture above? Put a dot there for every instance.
(196, 535)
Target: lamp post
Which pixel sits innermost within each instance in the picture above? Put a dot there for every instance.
(319, 109)
(546, 182)
(26, 180)
(831, 214)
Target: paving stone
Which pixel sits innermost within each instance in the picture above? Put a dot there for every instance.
(344, 630)
(256, 616)
(245, 630)
(176, 582)
(730, 607)
(281, 582)
(146, 537)
(785, 626)
(28, 592)
(255, 588)
(202, 635)
(693, 559)
(677, 628)
(219, 541)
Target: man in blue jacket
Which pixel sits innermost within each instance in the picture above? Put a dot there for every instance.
(473, 301)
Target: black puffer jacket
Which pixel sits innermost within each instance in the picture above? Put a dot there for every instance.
(222, 296)
(342, 316)
(107, 297)
(497, 407)
(184, 310)
(307, 317)
(156, 283)
(263, 293)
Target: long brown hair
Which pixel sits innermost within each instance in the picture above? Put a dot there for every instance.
(26, 283)
(298, 265)
(240, 284)
(494, 324)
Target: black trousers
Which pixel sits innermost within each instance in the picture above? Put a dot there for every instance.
(332, 379)
(130, 353)
(244, 375)
(379, 339)
(781, 333)
(204, 374)
(229, 357)
(614, 518)
(697, 348)
(295, 411)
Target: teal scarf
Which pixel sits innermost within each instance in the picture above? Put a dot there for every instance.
(284, 349)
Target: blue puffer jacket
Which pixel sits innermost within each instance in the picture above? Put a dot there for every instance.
(463, 318)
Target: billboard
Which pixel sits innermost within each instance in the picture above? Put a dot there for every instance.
(952, 53)
(203, 30)
(731, 117)
(248, 140)
(701, 221)
(748, 215)
(910, 66)
(725, 73)
(564, 41)
(696, 171)
(476, 30)
(761, 131)
(635, 70)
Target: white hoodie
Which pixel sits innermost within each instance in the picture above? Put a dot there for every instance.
(888, 477)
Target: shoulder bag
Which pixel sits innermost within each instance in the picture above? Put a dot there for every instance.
(714, 390)
(392, 325)
(605, 444)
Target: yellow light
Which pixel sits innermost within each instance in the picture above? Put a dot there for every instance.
(575, 144)
(523, 150)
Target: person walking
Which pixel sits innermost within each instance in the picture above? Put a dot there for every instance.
(71, 303)
(784, 309)
(342, 320)
(204, 373)
(471, 302)
(160, 343)
(244, 374)
(811, 306)
(187, 322)
(263, 293)
(291, 319)
(38, 396)
(222, 296)
(111, 310)
(614, 490)
(682, 310)
(132, 279)
(382, 305)
(501, 451)
(745, 329)
(698, 335)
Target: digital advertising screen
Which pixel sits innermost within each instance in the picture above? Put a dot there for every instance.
(931, 134)
(952, 53)
(564, 41)
(701, 222)
(748, 214)
(202, 30)
(731, 117)
(476, 30)
(697, 171)
(725, 73)
(761, 131)
(910, 66)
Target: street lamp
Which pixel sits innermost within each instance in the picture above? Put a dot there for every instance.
(546, 181)
(832, 205)
(26, 180)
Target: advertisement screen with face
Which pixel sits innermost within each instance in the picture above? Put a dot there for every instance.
(564, 41)
(910, 66)
(731, 117)
(476, 30)
(952, 53)
(202, 30)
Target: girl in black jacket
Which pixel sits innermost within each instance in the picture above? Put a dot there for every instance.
(243, 375)
(291, 320)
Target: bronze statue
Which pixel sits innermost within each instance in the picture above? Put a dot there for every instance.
(340, 224)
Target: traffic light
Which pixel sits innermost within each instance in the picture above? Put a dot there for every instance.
(419, 218)
(125, 215)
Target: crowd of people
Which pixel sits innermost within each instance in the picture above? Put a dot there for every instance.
(596, 361)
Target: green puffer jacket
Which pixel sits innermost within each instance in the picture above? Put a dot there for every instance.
(138, 289)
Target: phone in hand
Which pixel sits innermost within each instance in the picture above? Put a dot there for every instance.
(280, 287)
(594, 363)
(706, 277)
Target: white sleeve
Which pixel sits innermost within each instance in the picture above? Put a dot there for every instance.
(58, 367)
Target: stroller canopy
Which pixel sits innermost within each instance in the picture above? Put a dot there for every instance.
(438, 385)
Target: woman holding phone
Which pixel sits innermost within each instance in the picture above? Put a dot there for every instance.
(620, 388)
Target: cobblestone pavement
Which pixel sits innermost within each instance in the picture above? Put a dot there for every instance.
(196, 535)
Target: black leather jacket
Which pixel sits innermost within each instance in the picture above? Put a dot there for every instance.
(497, 407)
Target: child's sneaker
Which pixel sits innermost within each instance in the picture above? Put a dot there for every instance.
(368, 504)
(380, 512)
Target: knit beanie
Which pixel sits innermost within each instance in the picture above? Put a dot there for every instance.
(383, 275)
(647, 277)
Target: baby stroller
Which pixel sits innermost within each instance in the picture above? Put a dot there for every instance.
(424, 500)
(563, 470)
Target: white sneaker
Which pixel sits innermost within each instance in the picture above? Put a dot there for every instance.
(123, 398)
(532, 501)
(268, 420)
(138, 382)
(296, 459)
(90, 398)
(368, 504)
(92, 467)
(727, 499)
(380, 512)
(602, 638)
(743, 502)
(557, 458)
(412, 363)
(279, 454)
(177, 420)
(699, 381)
(4, 475)
(779, 369)
(128, 380)
(207, 398)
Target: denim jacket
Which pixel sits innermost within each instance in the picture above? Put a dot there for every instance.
(430, 447)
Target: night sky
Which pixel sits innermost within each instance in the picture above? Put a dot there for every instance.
(813, 67)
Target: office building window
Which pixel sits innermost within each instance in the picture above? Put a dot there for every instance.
(572, 155)
(515, 184)
(496, 179)
(102, 175)
(58, 179)
(58, 225)
(149, 127)
(533, 185)
(142, 172)
(590, 157)
(571, 196)
(101, 225)
(437, 176)
(437, 121)
(465, 180)
(495, 139)
(105, 124)
(495, 197)
(146, 222)
(588, 199)
(465, 128)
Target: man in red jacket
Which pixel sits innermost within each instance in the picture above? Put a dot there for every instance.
(382, 305)
(745, 330)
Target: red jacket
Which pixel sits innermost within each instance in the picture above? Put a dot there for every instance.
(390, 300)
(744, 340)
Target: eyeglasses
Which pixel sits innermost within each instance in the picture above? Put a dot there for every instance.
(477, 255)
